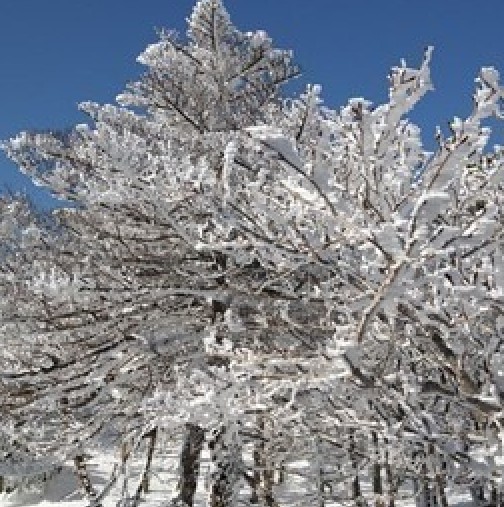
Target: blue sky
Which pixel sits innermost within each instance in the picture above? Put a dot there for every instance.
(57, 53)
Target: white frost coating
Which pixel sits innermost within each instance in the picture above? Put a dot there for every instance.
(229, 155)
(299, 192)
(150, 54)
(258, 38)
(307, 289)
(274, 139)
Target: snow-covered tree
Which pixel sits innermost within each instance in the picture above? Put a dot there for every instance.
(278, 281)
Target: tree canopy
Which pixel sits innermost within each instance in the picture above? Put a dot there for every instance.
(302, 292)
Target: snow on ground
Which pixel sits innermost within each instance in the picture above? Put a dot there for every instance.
(62, 489)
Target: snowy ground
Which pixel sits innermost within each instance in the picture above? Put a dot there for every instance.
(62, 490)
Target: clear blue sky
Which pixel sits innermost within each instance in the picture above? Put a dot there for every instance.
(56, 53)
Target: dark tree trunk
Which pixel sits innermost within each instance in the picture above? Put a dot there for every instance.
(377, 481)
(425, 494)
(391, 485)
(256, 484)
(477, 493)
(263, 478)
(419, 491)
(281, 473)
(376, 473)
(441, 491)
(268, 487)
(496, 497)
(267, 466)
(220, 489)
(190, 462)
(227, 472)
(428, 495)
(356, 493)
(356, 490)
(143, 486)
(84, 479)
(360, 501)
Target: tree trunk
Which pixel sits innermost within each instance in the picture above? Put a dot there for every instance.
(428, 495)
(376, 474)
(321, 479)
(256, 484)
(143, 486)
(227, 471)
(356, 491)
(441, 491)
(418, 493)
(267, 466)
(263, 478)
(83, 478)
(496, 497)
(126, 450)
(391, 486)
(190, 462)
(281, 473)
(425, 494)
(477, 493)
